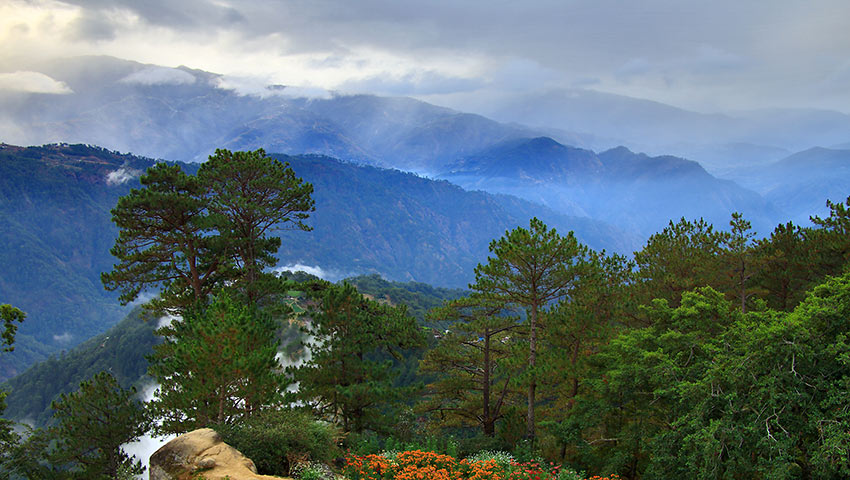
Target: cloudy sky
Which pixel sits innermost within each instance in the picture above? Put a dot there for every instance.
(706, 56)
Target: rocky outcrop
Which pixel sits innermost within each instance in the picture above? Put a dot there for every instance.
(202, 451)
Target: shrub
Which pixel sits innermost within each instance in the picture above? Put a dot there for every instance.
(277, 439)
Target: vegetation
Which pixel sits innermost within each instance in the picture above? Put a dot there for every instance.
(349, 378)
(711, 355)
(217, 364)
(277, 440)
(189, 235)
(85, 443)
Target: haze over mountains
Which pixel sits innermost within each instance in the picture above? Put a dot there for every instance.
(184, 114)
(577, 168)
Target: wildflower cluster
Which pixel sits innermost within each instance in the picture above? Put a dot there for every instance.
(419, 465)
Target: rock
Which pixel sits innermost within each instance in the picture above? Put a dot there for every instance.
(202, 451)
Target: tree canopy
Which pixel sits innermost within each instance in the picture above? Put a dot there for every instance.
(188, 235)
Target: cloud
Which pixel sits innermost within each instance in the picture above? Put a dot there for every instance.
(426, 82)
(155, 75)
(165, 320)
(91, 26)
(329, 275)
(64, 338)
(145, 446)
(32, 82)
(260, 87)
(724, 52)
(122, 175)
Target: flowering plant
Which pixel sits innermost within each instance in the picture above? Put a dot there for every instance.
(419, 465)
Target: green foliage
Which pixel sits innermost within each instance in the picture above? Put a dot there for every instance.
(472, 364)
(680, 258)
(92, 424)
(216, 365)
(188, 235)
(707, 392)
(249, 195)
(121, 351)
(347, 380)
(276, 439)
(164, 240)
(9, 315)
(529, 269)
(418, 297)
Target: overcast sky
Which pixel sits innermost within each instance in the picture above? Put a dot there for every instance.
(707, 56)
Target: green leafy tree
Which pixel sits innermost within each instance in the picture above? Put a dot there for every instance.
(190, 235)
(787, 259)
(249, 196)
(472, 363)
(622, 420)
(8, 439)
(530, 269)
(9, 315)
(580, 324)
(216, 365)
(349, 378)
(92, 424)
(709, 392)
(680, 258)
(832, 238)
(740, 258)
(165, 241)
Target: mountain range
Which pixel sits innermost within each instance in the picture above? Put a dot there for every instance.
(57, 233)
(404, 188)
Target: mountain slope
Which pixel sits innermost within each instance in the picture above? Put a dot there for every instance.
(634, 191)
(799, 184)
(55, 202)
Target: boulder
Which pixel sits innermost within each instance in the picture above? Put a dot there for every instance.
(202, 451)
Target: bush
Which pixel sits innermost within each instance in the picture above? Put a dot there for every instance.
(480, 443)
(276, 440)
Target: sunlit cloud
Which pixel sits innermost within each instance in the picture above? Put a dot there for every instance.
(32, 82)
(156, 75)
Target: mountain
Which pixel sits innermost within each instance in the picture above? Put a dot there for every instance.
(411, 228)
(121, 350)
(184, 114)
(54, 205)
(55, 202)
(799, 184)
(634, 191)
(718, 141)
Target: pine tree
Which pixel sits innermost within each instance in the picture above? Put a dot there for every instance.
(530, 269)
(472, 363)
(216, 365)
(349, 377)
(249, 196)
(92, 424)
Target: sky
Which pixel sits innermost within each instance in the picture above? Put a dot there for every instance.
(713, 56)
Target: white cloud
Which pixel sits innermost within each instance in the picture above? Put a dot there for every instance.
(64, 338)
(32, 82)
(166, 320)
(120, 176)
(316, 270)
(156, 75)
(145, 446)
(260, 87)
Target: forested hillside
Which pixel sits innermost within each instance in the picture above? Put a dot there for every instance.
(708, 339)
(56, 202)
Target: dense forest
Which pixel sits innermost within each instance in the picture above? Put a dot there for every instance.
(710, 353)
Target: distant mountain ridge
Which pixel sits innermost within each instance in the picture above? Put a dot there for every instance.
(799, 184)
(184, 114)
(634, 191)
(55, 202)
